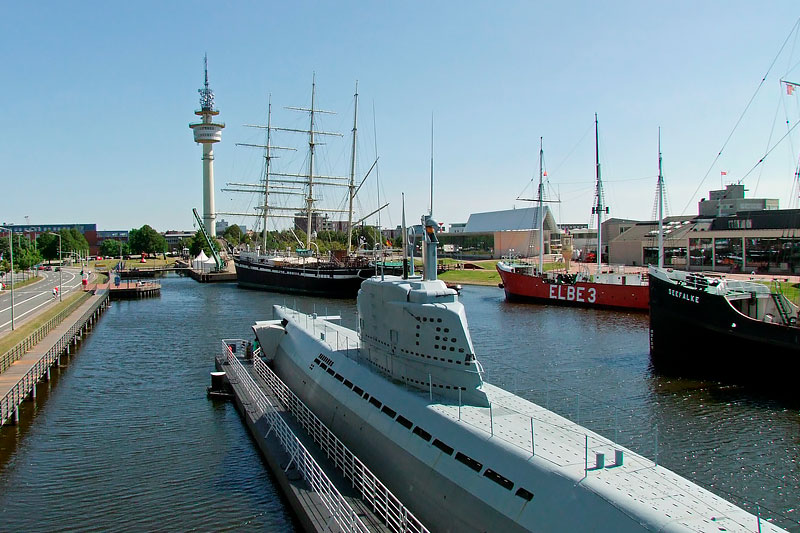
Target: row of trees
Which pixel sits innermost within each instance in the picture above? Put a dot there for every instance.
(28, 253)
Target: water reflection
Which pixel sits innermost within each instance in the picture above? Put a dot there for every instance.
(126, 440)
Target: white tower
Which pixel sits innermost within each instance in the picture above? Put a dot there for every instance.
(207, 133)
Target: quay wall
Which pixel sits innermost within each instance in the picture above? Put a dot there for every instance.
(49, 343)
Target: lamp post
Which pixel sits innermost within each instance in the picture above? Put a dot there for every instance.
(11, 251)
(61, 267)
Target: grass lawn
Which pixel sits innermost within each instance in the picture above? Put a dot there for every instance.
(471, 277)
(15, 337)
(106, 264)
(789, 289)
(21, 284)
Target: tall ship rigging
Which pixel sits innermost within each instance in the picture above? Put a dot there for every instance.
(339, 274)
(617, 290)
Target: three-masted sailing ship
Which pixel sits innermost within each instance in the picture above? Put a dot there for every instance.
(304, 270)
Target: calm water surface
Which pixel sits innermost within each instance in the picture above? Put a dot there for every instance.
(124, 439)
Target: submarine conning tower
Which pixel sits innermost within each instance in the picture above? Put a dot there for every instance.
(415, 332)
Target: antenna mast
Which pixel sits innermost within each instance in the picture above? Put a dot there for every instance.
(431, 213)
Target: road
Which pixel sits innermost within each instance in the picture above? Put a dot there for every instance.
(35, 297)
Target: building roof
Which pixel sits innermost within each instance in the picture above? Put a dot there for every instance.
(509, 220)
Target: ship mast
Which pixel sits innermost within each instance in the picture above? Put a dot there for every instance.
(599, 208)
(660, 207)
(541, 208)
(310, 183)
(352, 189)
(268, 157)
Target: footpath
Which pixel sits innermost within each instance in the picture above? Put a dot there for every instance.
(22, 367)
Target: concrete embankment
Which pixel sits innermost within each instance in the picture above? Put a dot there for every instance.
(30, 362)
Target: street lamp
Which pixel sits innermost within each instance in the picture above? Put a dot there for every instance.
(11, 251)
(61, 267)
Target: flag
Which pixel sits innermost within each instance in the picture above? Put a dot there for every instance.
(545, 173)
(388, 242)
(789, 88)
(723, 173)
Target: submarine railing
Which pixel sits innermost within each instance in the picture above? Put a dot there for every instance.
(396, 516)
(344, 515)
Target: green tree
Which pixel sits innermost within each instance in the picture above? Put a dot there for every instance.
(77, 242)
(48, 245)
(146, 239)
(199, 243)
(114, 248)
(233, 234)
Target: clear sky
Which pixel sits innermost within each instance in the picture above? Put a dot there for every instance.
(98, 97)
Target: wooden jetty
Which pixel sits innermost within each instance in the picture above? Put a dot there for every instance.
(135, 290)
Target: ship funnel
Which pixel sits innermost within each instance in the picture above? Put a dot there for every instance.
(429, 244)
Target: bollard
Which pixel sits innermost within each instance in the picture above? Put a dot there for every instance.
(617, 457)
(599, 460)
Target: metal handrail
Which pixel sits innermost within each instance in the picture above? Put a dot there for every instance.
(22, 388)
(390, 509)
(22, 347)
(344, 515)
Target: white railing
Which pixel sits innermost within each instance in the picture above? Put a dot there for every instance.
(341, 512)
(385, 504)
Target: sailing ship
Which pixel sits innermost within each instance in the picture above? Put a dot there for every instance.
(603, 289)
(405, 393)
(340, 274)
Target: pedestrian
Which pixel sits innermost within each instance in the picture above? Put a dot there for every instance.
(55, 292)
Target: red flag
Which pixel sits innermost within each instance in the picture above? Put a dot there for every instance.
(789, 88)
(723, 173)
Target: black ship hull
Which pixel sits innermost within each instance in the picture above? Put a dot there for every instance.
(694, 333)
(324, 280)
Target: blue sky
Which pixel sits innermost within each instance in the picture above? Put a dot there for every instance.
(98, 98)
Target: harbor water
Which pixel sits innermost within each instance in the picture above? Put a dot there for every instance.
(123, 437)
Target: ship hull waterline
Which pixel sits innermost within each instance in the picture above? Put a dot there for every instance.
(328, 282)
(526, 288)
(696, 334)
